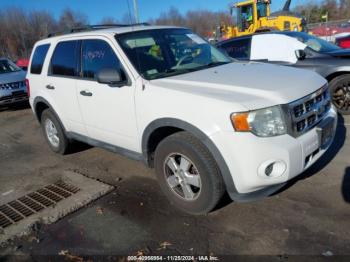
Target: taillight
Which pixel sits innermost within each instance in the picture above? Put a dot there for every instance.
(28, 87)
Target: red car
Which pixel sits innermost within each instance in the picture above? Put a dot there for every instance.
(23, 64)
(343, 42)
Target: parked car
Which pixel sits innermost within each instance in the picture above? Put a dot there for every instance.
(12, 83)
(165, 96)
(299, 50)
(344, 41)
(23, 64)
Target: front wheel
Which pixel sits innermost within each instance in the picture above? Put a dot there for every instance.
(340, 91)
(188, 174)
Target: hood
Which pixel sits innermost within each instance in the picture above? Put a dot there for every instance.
(253, 85)
(12, 77)
(343, 53)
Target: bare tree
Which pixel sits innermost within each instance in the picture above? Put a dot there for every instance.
(70, 19)
(109, 21)
(201, 21)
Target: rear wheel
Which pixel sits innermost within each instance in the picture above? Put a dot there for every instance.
(188, 174)
(54, 132)
(340, 91)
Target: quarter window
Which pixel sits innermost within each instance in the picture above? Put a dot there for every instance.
(97, 55)
(64, 59)
(38, 59)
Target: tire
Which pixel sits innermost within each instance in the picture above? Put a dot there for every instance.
(192, 160)
(47, 118)
(340, 93)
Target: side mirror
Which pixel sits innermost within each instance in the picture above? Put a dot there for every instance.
(111, 77)
(300, 54)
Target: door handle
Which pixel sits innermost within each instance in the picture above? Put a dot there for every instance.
(85, 93)
(51, 87)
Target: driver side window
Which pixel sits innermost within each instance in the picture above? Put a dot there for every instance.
(97, 55)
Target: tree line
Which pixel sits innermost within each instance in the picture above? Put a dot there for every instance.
(316, 12)
(19, 30)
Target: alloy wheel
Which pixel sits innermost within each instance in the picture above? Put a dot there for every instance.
(51, 133)
(182, 176)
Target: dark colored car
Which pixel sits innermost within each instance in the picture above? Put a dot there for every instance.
(300, 50)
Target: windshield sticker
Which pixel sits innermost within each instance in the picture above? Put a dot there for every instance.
(141, 42)
(196, 39)
(152, 72)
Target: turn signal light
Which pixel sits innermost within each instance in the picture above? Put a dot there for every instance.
(240, 122)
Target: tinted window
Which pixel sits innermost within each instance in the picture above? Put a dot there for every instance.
(6, 66)
(97, 55)
(64, 59)
(239, 49)
(38, 59)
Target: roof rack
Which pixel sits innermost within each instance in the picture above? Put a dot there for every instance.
(86, 28)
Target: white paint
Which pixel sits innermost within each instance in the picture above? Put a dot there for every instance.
(275, 47)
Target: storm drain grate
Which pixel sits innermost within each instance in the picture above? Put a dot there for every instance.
(35, 202)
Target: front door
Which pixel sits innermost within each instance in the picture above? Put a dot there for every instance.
(108, 112)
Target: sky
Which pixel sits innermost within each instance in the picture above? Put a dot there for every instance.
(98, 9)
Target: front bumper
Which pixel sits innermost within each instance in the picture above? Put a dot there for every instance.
(8, 97)
(246, 154)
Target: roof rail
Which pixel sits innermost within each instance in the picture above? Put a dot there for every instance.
(86, 28)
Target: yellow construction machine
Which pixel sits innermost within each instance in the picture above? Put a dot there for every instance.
(255, 16)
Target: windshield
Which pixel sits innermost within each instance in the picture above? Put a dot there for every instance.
(7, 66)
(244, 17)
(166, 52)
(317, 44)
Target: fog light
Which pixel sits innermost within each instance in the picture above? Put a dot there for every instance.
(272, 168)
(269, 169)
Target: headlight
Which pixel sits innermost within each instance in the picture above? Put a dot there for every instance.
(265, 122)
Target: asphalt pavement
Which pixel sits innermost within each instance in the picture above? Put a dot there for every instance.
(309, 217)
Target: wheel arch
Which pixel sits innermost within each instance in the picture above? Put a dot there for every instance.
(334, 75)
(174, 125)
(40, 104)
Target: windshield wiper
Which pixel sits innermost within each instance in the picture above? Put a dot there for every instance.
(178, 71)
(216, 64)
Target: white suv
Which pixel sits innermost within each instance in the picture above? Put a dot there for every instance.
(163, 95)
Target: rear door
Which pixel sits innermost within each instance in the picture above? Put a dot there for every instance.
(61, 84)
(108, 112)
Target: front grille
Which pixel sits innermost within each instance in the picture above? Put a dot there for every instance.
(13, 85)
(309, 111)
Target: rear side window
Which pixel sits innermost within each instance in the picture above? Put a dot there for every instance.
(239, 49)
(64, 60)
(38, 59)
(97, 55)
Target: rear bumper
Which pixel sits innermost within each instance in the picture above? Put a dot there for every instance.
(12, 97)
(247, 155)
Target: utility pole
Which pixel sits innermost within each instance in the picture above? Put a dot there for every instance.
(136, 12)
